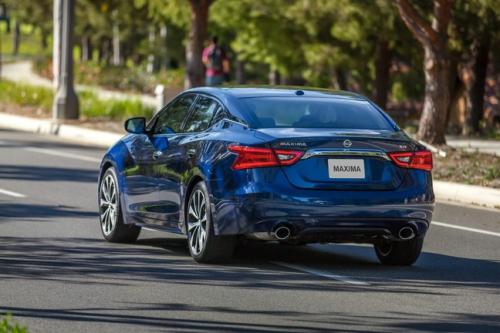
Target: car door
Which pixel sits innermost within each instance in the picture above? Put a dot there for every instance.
(179, 158)
(167, 165)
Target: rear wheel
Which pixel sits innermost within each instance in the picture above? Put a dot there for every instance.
(401, 253)
(203, 244)
(110, 213)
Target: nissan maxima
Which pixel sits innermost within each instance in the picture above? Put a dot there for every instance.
(294, 166)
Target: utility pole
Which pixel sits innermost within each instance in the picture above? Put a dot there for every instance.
(3, 17)
(66, 102)
(56, 49)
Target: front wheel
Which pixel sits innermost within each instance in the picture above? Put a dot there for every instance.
(399, 253)
(204, 245)
(111, 217)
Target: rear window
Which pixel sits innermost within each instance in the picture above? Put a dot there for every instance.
(302, 112)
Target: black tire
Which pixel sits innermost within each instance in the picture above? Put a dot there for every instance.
(399, 253)
(117, 232)
(213, 248)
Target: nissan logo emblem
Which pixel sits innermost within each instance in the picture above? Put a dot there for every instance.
(347, 143)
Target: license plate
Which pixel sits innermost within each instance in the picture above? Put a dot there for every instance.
(346, 168)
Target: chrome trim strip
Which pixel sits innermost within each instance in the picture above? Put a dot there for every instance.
(345, 152)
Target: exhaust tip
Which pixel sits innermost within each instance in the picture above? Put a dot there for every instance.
(406, 233)
(282, 233)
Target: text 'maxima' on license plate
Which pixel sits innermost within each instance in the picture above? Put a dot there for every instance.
(346, 168)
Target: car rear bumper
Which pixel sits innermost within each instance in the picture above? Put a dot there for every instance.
(320, 222)
(257, 205)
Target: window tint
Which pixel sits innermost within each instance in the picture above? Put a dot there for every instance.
(170, 120)
(203, 111)
(269, 112)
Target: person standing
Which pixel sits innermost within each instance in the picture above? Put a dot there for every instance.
(216, 63)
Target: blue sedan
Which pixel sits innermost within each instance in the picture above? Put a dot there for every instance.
(295, 166)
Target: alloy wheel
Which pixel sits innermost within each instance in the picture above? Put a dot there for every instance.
(108, 204)
(197, 222)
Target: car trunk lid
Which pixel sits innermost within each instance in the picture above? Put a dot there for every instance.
(341, 159)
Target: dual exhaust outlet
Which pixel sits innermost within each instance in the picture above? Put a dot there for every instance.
(283, 232)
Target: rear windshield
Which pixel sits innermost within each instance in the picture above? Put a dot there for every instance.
(302, 112)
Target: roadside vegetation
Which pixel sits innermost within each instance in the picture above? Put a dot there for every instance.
(126, 77)
(473, 168)
(431, 64)
(38, 101)
(8, 325)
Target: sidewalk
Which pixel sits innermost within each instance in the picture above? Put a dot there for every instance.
(472, 145)
(444, 191)
(22, 71)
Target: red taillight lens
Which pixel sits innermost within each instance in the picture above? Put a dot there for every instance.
(414, 160)
(252, 157)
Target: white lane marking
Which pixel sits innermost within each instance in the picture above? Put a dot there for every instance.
(321, 273)
(63, 154)
(459, 227)
(12, 194)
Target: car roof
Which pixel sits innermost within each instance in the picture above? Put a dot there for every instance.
(231, 96)
(274, 91)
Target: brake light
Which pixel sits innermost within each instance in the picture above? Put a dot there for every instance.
(253, 157)
(421, 160)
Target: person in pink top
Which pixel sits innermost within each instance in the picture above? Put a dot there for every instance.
(216, 63)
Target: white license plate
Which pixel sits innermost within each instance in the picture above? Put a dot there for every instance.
(346, 168)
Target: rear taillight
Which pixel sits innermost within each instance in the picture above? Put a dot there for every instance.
(253, 157)
(414, 160)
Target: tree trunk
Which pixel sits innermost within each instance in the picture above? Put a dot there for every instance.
(341, 78)
(150, 68)
(475, 85)
(437, 97)
(164, 47)
(194, 48)
(16, 37)
(105, 51)
(434, 38)
(240, 72)
(117, 59)
(44, 39)
(86, 54)
(274, 77)
(382, 68)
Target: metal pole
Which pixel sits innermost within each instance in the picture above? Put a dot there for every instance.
(56, 49)
(66, 102)
(0, 50)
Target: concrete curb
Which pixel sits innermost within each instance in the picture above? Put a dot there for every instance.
(444, 191)
(467, 194)
(45, 126)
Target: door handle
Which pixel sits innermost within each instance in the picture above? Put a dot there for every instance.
(191, 152)
(157, 154)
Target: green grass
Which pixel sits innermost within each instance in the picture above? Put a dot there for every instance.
(26, 95)
(90, 105)
(7, 325)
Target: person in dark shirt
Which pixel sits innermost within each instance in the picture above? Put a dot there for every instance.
(216, 63)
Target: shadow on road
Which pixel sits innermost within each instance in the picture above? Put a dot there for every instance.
(39, 212)
(16, 140)
(165, 261)
(47, 174)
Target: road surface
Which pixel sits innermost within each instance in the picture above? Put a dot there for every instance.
(58, 275)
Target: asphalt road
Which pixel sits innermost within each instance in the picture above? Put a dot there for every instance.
(58, 275)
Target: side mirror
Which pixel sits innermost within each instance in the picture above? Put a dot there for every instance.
(136, 125)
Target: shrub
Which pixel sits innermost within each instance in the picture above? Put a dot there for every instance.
(9, 326)
(24, 94)
(90, 105)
